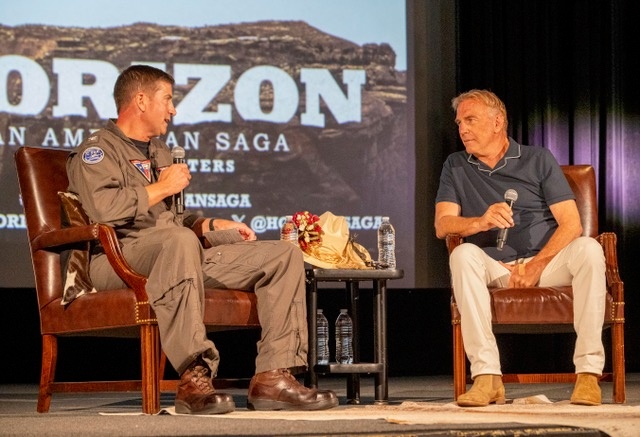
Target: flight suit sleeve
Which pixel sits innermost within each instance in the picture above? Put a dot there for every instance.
(109, 190)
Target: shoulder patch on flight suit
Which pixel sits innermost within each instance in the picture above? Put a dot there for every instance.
(93, 155)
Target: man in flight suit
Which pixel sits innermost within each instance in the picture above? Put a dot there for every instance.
(125, 177)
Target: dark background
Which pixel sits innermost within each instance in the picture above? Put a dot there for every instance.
(568, 73)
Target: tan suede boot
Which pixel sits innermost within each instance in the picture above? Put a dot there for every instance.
(486, 390)
(586, 390)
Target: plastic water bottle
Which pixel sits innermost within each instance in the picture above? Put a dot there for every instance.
(344, 338)
(323, 338)
(386, 245)
(289, 231)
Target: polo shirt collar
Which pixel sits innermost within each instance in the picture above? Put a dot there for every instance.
(513, 152)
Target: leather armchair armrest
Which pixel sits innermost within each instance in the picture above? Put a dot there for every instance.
(196, 227)
(107, 237)
(111, 246)
(608, 241)
(453, 241)
(60, 237)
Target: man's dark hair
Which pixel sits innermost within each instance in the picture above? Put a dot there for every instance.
(135, 79)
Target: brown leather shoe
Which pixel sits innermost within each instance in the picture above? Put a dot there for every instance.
(280, 390)
(196, 394)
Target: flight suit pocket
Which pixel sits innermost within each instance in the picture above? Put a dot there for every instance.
(239, 255)
(298, 321)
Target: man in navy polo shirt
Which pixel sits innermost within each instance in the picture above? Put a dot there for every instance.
(544, 245)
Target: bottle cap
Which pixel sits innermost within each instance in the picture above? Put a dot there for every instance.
(318, 311)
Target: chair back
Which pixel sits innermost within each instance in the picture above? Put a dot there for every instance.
(41, 174)
(582, 181)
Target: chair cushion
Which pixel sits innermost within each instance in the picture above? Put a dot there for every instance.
(532, 305)
(74, 262)
(115, 313)
(105, 313)
(230, 309)
(550, 306)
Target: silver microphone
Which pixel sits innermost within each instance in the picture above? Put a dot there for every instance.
(510, 196)
(177, 153)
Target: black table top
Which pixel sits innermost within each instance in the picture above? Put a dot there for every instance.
(354, 274)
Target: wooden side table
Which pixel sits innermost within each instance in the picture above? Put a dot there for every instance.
(352, 279)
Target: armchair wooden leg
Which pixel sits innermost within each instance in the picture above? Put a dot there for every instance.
(163, 365)
(459, 363)
(47, 372)
(617, 342)
(150, 355)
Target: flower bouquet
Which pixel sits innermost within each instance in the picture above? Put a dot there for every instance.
(309, 230)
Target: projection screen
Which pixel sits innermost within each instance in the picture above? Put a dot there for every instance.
(282, 106)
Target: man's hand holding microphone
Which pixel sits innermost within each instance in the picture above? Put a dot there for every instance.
(171, 182)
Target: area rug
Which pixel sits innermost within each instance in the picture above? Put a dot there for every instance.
(614, 420)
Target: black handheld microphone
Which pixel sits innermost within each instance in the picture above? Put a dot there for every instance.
(510, 196)
(177, 153)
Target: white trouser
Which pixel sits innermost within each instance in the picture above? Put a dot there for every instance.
(580, 264)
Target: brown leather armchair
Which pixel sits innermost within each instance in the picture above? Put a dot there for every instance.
(108, 313)
(550, 309)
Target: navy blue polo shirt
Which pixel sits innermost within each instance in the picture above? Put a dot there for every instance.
(532, 171)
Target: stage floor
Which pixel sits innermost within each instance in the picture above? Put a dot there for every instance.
(117, 413)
